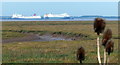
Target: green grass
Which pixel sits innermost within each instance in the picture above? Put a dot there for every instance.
(69, 26)
(54, 51)
(8, 35)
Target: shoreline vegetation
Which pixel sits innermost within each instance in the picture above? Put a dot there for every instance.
(80, 33)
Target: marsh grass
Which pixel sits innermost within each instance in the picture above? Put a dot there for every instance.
(8, 35)
(54, 51)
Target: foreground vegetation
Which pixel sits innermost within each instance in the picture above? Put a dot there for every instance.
(51, 52)
(54, 51)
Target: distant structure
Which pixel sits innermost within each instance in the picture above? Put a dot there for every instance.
(56, 15)
(99, 25)
(80, 54)
(19, 16)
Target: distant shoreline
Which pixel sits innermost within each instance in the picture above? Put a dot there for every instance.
(71, 18)
(52, 20)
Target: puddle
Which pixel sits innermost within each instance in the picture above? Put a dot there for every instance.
(50, 38)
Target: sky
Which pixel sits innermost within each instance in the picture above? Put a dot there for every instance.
(60, 0)
(72, 8)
